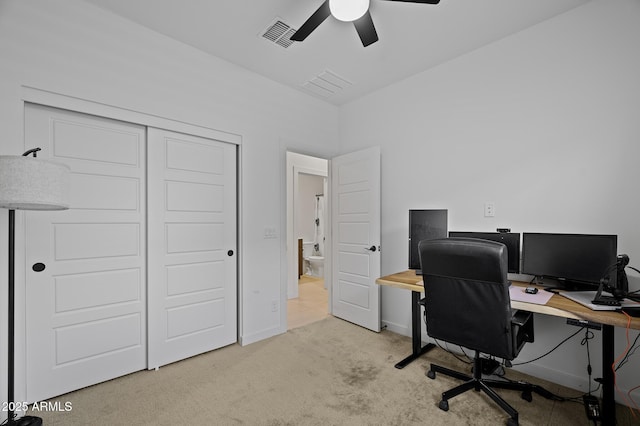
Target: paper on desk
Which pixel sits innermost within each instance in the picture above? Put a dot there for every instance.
(540, 298)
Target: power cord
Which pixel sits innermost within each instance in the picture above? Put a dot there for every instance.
(549, 395)
(455, 355)
(629, 401)
(552, 349)
(591, 403)
(588, 335)
(632, 349)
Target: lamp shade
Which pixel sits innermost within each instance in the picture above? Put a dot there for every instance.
(28, 183)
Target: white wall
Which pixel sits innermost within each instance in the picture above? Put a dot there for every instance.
(544, 123)
(78, 50)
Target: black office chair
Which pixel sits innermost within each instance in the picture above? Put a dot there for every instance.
(467, 303)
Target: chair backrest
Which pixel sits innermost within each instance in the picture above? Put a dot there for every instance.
(467, 294)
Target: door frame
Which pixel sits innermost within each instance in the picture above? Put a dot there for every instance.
(293, 168)
(47, 98)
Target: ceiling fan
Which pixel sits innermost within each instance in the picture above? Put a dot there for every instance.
(356, 11)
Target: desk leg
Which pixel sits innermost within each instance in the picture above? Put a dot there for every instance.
(415, 332)
(608, 393)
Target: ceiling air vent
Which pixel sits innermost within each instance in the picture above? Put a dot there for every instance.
(326, 84)
(279, 33)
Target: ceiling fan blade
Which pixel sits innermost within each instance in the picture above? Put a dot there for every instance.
(312, 23)
(366, 29)
(419, 1)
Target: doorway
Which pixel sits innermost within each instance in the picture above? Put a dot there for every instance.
(308, 292)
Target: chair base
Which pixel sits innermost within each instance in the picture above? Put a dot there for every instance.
(477, 383)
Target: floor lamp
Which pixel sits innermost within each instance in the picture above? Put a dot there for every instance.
(27, 183)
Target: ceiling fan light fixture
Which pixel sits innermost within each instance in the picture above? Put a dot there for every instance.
(348, 10)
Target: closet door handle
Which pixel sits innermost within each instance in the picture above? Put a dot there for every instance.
(38, 267)
(372, 248)
(230, 253)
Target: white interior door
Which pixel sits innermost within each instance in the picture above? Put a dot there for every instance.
(86, 312)
(192, 287)
(355, 217)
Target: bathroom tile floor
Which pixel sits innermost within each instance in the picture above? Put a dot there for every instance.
(311, 305)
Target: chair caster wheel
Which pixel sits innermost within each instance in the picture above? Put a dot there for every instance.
(526, 395)
(444, 405)
(512, 422)
(431, 374)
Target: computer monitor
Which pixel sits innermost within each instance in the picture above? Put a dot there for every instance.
(509, 239)
(578, 260)
(424, 225)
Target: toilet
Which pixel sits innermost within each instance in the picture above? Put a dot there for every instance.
(316, 266)
(314, 263)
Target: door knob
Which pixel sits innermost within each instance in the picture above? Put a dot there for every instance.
(372, 248)
(230, 253)
(38, 267)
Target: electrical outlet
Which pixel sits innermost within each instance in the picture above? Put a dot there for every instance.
(274, 306)
(489, 209)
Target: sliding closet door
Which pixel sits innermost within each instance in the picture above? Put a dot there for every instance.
(86, 311)
(192, 285)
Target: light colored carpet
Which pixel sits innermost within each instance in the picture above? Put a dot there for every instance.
(330, 372)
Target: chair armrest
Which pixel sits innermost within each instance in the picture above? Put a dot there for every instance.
(520, 317)
(522, 329)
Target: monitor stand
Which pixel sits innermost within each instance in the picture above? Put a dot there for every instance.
(553, 285)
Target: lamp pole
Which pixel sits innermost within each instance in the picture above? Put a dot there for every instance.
(26, 184)
(11, 317)
(12, 308)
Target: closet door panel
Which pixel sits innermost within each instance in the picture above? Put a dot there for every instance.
(192, 285)
(86, 312)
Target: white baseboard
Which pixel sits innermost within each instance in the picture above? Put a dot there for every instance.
(579, 383)
(261, 335)
(397, 328)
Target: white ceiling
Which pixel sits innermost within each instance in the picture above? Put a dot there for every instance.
(413, 37)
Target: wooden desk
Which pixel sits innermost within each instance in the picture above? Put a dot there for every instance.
(557, 306)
